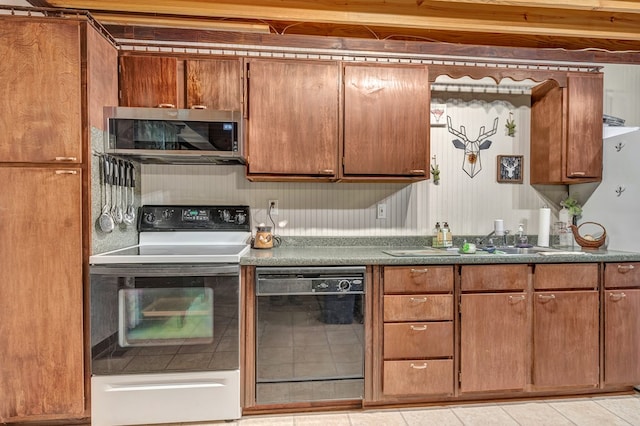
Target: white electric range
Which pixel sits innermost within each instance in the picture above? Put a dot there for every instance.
(165, 319)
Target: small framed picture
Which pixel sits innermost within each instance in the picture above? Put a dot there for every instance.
(510, 168)
(438, 113)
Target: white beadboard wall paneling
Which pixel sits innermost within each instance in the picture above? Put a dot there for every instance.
(470, 205)
(309, 209)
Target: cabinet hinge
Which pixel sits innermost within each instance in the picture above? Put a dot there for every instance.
(459, 377)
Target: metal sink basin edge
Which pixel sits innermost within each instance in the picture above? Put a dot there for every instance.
(515, 251)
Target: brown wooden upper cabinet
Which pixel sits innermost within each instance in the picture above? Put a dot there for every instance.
(40, 116)
(386, 121)
(148, 81)
(152, 81)
(214, 84)
(292, 119)
(566, 130)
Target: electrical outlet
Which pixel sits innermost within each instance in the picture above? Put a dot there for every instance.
(273, 207)
(381, 211)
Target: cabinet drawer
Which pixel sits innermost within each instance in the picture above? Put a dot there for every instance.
(418, 279)
(418, 340)
(566, 276)
(418, 377)
(418, 307)
(494, 277)
(621, 275)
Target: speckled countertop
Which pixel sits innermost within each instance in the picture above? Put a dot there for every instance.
(371, 251)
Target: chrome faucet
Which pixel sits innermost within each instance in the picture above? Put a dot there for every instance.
(480, 241)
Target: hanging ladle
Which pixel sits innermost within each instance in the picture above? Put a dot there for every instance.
(105, 221)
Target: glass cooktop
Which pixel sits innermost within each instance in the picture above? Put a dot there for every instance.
(181, 253)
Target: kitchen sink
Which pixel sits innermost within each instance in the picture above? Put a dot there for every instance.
(521, 250)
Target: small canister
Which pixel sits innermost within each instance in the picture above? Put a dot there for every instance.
(264, 238)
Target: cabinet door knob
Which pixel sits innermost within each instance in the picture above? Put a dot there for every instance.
(419, 367)
(418, 327)
(617, 296)
(66, 158)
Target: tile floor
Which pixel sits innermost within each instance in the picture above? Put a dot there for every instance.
(596, 411)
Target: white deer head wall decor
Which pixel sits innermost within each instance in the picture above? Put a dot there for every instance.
(471, 163)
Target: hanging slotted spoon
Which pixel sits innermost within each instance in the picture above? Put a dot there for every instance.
(130, 212)
(116, 209)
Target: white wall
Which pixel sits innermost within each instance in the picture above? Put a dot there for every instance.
(622, 92)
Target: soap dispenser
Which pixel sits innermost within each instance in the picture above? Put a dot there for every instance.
(435, 240)
(447, 238)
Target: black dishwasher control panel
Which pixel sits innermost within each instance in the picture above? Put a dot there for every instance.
(310, 280)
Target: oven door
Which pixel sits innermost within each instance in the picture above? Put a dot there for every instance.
(164, 318)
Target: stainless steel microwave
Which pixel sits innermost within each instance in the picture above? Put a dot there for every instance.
(175, 136)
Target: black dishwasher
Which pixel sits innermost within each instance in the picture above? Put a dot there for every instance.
(310, 334)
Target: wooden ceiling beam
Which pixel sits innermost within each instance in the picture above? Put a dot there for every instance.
(614, 6)
(450, 15)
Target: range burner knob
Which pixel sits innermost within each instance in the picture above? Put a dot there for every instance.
(167, 214)
(241, 218)
(150, 218)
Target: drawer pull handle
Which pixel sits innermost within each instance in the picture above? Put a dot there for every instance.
(617, 296)
(546, 297)
(516, 299)
(166, 105)
(418, 327)
(578, 174)
(419, 271)
(418, 299)
(198, 107)
(66, 158)
(625, 268)
(419, 367)
(66, 172)
(416, 172)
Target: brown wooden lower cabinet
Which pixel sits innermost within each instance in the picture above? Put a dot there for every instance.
(41, 332)
(493, 342)
(418, 377)
(566, 339)
(622, 337)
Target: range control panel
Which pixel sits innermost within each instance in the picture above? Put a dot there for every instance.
(194, 218)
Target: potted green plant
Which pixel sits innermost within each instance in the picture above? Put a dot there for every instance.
(574, 207)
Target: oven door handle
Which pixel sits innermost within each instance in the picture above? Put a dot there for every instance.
(163, 270)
